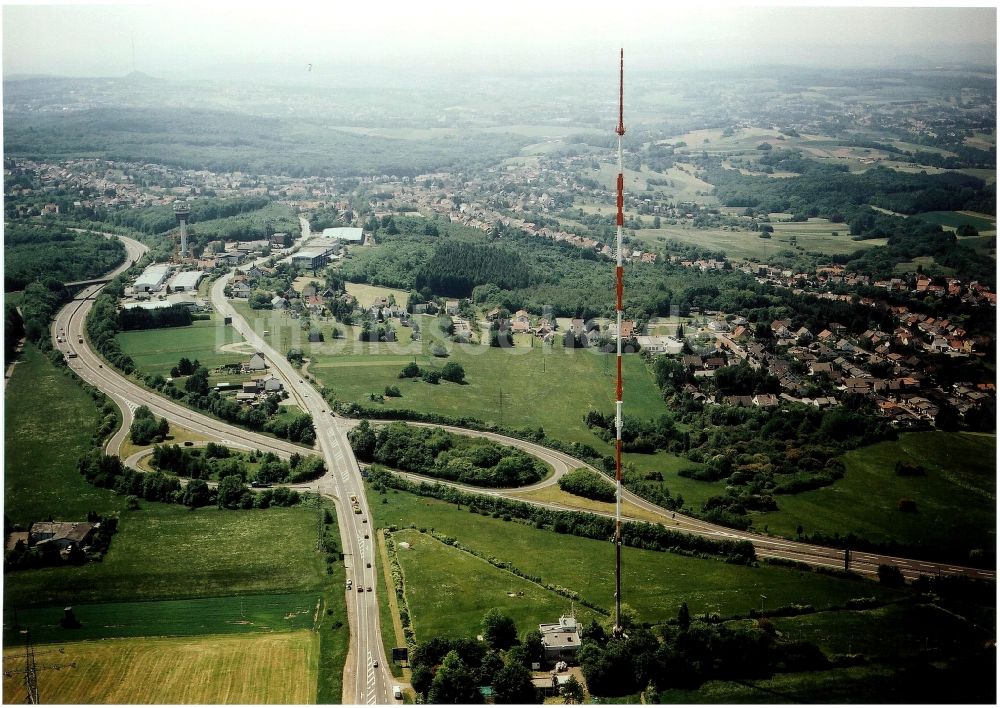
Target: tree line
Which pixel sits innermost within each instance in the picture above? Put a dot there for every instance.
(636, 534)
(218, 461)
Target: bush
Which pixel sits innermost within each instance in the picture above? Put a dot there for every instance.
(589, 484)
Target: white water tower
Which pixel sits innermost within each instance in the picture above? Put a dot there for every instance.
(182, 212)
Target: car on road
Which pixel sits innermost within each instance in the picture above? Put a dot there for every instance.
(364, 521)
(375, 664)
(368, 565)
(369, 588)
(366, 535)
(360, 589)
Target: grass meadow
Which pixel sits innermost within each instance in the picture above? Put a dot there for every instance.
(234, 614)
(747, 244)
(448, 591)
(956, 499)
(655, 583)
(168, 551)
(42, 444)
(156, 351)
(212, 669)
(955, 219)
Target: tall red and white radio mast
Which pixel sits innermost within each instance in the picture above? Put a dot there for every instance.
(619, 289)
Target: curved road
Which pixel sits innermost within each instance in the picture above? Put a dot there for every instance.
(364, 682)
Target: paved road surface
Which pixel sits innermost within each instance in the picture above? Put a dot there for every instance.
(364, 683)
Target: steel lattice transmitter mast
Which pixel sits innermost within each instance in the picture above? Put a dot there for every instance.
(619, 289)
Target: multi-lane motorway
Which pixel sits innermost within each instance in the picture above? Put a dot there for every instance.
(366, 678)
(367, 672)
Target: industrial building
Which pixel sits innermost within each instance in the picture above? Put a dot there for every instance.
(153, 278)
(183, 300)
(314, 257)
(188, 280)
(345, 234)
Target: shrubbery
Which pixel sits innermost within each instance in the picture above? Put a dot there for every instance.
(438, 453)
(589, 484)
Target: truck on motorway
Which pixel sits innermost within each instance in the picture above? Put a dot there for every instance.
(355, 505)
(71, 354)
(397, 692)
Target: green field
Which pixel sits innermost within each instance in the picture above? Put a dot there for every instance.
(546, 386)
(956, 500)
(884, 632)
(556, 398)
(810, 237)
(168, 551)
(42, 444)
(955, 219)
(209, 615)
(657, 583)
(448, 591)
(156, 351)
(366, 294)
(858, 685)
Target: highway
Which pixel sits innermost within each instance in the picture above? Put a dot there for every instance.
(366, 678)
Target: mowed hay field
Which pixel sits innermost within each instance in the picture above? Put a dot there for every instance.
(156, 351)
(214, 669)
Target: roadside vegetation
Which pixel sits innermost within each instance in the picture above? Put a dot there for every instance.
(439, 453)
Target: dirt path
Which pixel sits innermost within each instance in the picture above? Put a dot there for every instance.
(10, 367)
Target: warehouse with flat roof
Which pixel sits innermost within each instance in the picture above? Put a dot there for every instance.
(188, 280)
(345, 234)
(153, 278)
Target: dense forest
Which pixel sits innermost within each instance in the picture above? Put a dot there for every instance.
(220, 141)
(456, 269)
(32, 252)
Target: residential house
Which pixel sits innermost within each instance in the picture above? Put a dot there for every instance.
(242, 290)
(560, 641)
(61, 534)
(765, 400)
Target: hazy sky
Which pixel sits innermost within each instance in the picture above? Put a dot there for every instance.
(198, 38)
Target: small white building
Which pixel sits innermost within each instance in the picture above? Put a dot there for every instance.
(312, 258)
(242, 290)
(257, 362)
(345, 234)
(660, 345)
(560, 641)
(152, 278)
